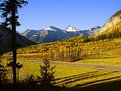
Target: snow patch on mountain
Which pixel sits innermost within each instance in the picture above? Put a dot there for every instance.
(71, 29)
(52, 28)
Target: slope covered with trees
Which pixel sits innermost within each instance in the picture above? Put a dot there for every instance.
(113, 32)
(111, 29)
(72, 49)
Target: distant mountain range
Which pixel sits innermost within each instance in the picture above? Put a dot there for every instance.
(6, 40)
(52, 33)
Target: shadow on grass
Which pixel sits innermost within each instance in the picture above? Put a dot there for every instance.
(73, 76)
(114, 85)
(107, 84)
(79, 77)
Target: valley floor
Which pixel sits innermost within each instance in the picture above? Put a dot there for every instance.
(78, 76)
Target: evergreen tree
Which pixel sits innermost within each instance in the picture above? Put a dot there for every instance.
(9, 10)
(47, 73)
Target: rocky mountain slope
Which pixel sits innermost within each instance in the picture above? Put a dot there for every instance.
(71, 29)
(29, 33)
(112, 24)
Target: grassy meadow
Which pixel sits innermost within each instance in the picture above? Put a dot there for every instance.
(74, 77)
(70, 76)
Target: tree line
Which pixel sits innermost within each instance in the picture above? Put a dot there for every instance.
(65, 53)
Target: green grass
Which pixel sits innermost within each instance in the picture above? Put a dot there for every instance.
(70, 76)
(108, 61)
(30, 67)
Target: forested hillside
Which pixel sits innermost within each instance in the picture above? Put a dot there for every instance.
(72, 49)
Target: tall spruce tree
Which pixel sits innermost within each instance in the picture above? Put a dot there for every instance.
(9, 12)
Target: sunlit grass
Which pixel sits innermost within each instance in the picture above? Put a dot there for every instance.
(108, 61)
(70, 76)
(96, 78)
(31, 67)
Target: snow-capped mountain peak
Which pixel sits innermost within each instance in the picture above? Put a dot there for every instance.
(52, 28)
(71, 29)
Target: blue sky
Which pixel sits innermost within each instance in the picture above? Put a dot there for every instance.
(82, 14)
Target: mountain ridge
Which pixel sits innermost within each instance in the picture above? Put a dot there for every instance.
(52, 33)
(113, 21)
